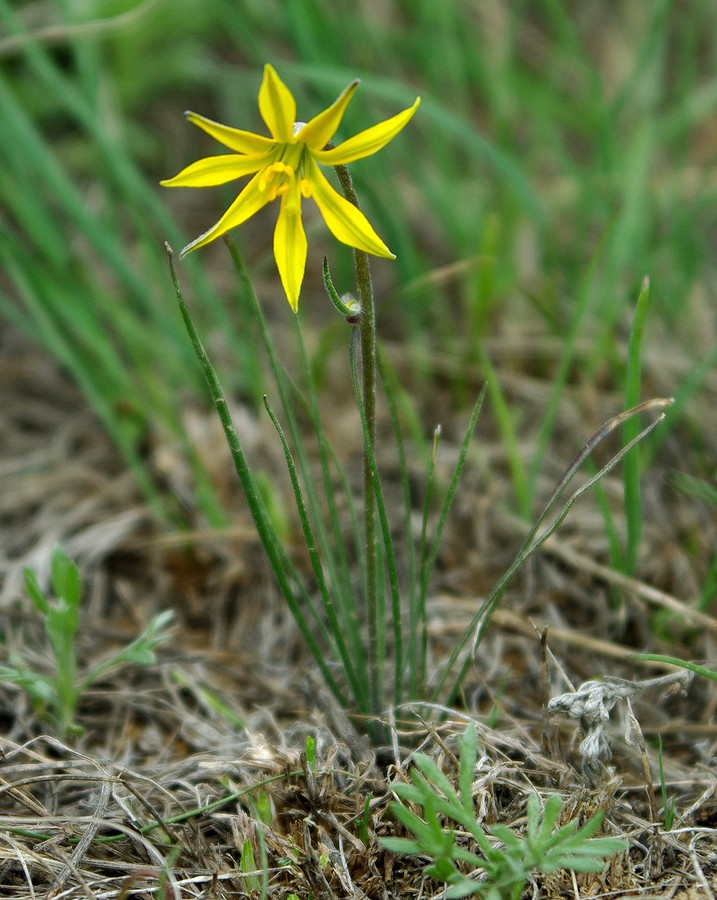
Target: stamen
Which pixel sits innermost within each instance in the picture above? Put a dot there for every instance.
(275, 179)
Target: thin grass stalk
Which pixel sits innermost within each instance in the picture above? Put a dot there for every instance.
(430, 561)
(287, 389)
(280, 564)
(597, 438)
(504, 417)
(382, 661)
(335, 630)
(335, 552)
(347, 307)
(631, 468)
(559, 379)
(390, 555)
(419, 624)
(415, 624)
(614, 541)
(676, 661)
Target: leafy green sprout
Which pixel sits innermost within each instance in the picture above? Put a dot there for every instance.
(504, 870)
(57, 694)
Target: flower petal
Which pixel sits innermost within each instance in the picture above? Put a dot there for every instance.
(216, 170)
(290, 246)
(241, 141)
(318, 132)
(345, 221)
(366, 142)
(277, 106)
(249, 201)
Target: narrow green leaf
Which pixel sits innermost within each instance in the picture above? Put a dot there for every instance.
(631, 464)
(468, 750)
(35, 593)
(401, 845)
(65, 577)
(430, 770)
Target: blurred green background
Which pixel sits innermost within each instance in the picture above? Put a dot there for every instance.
(562, 152)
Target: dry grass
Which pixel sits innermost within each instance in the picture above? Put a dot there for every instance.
(184, 762)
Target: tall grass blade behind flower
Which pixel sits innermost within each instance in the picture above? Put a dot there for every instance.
(624, 554)
(79, 246)
(631, 466)
(334, 629)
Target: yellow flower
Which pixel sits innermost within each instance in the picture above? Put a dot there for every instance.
(285, 166)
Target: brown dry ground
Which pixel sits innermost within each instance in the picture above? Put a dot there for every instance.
(175, 757)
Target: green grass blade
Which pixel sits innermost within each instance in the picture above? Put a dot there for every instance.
(674, 661)
(334, 634)
(416, 618)
(427, 568)
(631, 465)
(334, 547)
(388, 547)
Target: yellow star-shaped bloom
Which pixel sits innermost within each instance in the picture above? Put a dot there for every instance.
(285, 166)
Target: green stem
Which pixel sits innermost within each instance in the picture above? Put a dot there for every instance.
(367, 332)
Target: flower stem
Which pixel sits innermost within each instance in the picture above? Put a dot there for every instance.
(367, 333)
